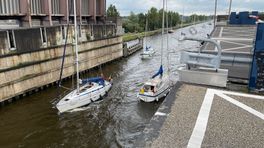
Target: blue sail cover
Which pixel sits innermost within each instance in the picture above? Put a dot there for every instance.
(147, 48)
(160, 72)
(98, 80)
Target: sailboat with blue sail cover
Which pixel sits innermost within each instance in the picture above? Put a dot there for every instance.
(158, 86)
(88, 90)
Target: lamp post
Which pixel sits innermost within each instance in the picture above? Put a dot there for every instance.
(229, 11)
(215, 14)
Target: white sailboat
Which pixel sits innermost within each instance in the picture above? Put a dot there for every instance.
(92, 89)
(159, 85)
(148, 51)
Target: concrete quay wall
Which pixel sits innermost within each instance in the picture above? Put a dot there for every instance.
(32, 69)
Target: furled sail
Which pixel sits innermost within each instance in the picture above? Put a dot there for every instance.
(160, 72)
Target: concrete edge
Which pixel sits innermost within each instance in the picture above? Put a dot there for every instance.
(153, 128)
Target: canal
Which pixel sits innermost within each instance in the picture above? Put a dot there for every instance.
(115, 121)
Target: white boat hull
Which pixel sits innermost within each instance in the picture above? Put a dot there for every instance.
(156, 97)
(82, 99)
(162, 92)
(148, 54)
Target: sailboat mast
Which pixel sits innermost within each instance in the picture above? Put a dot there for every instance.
(162, 36)
(76, 46)
(182, 17)
(167, 22)
(146, 29)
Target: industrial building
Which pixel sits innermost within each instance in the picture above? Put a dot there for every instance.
(30, 13)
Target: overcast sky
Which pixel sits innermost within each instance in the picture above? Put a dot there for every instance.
(190, 6)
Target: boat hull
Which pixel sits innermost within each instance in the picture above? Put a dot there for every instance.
(82, 99)
(147, 55)
(155, 97)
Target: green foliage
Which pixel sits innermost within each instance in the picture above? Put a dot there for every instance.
(135, 23)
(112, 11)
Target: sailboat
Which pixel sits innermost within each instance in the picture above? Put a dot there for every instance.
(91, 89)
(159, 85)
(148, 51)
(171, 29)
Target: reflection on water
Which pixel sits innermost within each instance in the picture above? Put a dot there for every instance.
(115, 121)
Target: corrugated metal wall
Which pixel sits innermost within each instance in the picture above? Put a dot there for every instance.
(55, 5)
(98, 6)
(85, 7)
(70, 3)
(9, 7)
(36, 6)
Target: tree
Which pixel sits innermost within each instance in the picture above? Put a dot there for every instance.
(153, 18)
(142, 20)
(112, 11)
(137, 22)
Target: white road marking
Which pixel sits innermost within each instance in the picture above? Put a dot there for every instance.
(221, 32)
(233, 39)
(160, 114)
(242, 94)
(197, 136)
(241, 105)
(201, 122)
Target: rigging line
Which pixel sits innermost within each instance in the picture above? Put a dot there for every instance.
(64, 50)
(162, 36)
(101, 70)
(76, 46)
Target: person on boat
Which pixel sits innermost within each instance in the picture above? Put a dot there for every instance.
(109, 79)
(90, 85)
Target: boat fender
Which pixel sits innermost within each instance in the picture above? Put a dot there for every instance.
(142, 91)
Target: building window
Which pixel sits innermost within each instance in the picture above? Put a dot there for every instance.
(43, 34)
(11, 40)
